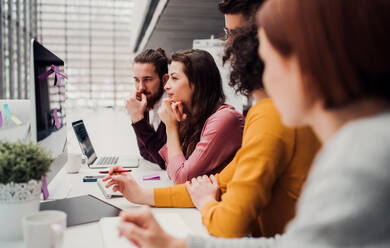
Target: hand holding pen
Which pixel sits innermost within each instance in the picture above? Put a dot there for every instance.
(123, 182)
(113, 171)
(95, 178)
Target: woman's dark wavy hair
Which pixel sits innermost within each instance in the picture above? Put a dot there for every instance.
(204, 77)
(247, 68)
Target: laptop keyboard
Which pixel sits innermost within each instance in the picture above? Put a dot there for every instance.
(108, 161)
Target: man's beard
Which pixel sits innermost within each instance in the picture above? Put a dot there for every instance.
(154, 98)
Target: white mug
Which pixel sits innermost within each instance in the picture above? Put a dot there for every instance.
(44, 229)
(74, 162)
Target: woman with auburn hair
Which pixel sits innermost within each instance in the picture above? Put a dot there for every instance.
(326, 65)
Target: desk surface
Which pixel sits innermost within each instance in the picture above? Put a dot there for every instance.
(110, 133)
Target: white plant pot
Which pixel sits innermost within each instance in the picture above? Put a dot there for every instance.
(16, 201)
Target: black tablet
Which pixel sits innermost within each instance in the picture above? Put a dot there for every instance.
(82, 209)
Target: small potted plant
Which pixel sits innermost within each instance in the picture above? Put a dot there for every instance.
(22, 166)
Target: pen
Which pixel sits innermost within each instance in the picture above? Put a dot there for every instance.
(117, 171)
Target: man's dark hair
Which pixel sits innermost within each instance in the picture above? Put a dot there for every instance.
(157, 57)
(245, 7)
(247, 68)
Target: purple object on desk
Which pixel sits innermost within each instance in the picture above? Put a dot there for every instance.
(45, 191)
(151, 177)
(57, 77)
(55, 116)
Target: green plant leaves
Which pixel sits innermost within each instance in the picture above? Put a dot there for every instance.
(20, 162)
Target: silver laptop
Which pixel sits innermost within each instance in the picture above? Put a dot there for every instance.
(95, 162)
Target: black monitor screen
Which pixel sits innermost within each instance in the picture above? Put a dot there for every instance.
(84, 141)
(49, 92)
(48, 126)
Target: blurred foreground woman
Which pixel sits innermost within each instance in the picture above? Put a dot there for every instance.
(327, 66)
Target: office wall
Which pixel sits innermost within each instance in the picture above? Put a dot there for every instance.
(216, 49)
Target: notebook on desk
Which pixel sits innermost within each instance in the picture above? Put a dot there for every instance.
(170, 222)
(78, 209)
(107, 192)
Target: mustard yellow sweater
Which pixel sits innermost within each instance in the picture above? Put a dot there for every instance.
(261, 185)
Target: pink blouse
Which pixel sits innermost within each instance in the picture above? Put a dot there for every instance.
(219, 140)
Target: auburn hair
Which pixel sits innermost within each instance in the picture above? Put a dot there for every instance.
(343, 46)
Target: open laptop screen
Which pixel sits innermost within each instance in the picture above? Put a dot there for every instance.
(84, 141)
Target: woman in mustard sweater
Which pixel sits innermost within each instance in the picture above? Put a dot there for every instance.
(260, 187)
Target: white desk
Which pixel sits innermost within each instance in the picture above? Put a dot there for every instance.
(110, 133)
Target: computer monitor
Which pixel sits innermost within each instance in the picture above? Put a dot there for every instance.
(48, 128)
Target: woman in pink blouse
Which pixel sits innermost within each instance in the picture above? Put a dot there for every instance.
(203, 133)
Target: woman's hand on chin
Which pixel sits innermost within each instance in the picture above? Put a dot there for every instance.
(178, 109)
(167, 114)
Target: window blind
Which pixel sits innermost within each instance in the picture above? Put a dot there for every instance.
(93, 39)
(18, 24)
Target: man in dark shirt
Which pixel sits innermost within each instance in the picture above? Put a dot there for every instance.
(150, 72)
